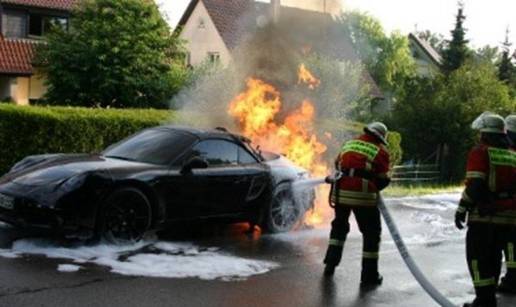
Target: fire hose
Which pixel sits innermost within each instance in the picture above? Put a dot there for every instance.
(437, 296)
(414, 269)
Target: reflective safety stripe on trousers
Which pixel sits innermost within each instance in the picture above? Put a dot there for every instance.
(500, 218)
(478, 282)
(499, 157)
(354, 198)
(510, 261)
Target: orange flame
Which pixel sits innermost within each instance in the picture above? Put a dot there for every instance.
(257, 109)
(306, 77)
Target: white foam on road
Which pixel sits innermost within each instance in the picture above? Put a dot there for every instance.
(68, 268)
(436, 202)
(162, 259)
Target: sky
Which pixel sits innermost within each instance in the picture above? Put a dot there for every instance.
(486, 20)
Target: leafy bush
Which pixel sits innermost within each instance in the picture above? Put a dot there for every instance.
(438, 112)
(117, 53)
(37, 130)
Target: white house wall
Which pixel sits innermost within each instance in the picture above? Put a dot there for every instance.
(202, 41)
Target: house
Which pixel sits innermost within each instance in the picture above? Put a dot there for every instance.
(428, 60)
(214, 29)
(23, 23)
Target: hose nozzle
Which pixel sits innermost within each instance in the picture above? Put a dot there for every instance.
(332, 179)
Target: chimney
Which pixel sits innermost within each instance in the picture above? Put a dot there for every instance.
(275, 10)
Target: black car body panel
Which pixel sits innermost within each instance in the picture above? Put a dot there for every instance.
(65, 192)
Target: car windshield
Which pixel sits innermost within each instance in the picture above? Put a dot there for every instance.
(154, 146)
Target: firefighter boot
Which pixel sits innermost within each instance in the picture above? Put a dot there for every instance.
(508, 285)
(477, 303)
(486, 297)
(333, 257)
(370, 276)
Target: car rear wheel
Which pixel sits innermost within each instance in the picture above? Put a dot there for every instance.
(283, 212)
(125, 217)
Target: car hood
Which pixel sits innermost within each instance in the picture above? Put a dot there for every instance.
(43, 170)
(283, 169)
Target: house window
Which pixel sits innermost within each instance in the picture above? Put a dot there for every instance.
(214, 57)
(39, 25)
(14, 24)
(202, 23)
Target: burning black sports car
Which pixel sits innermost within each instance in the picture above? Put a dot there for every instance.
(147, 181)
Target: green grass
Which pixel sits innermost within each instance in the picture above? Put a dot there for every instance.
(419, 190)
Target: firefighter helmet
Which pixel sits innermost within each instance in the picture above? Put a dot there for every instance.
(510, 123)
(489, 122)
(379, 130)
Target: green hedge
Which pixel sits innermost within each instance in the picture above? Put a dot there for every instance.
(27, 131)
(33, 130)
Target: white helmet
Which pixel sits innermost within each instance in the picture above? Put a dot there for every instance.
(510, 123)
(379, 130)
(489, 122)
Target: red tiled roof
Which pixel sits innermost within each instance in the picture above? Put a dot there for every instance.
(65, 5)
(16, 56)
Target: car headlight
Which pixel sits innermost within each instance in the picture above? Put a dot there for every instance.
(73, 182)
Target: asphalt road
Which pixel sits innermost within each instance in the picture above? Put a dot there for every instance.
(33, 280)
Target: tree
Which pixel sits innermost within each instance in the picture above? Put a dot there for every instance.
(438, 111)
(387, 58)
(487, 54)
(457, 52)
(506, 70)
(117, 53)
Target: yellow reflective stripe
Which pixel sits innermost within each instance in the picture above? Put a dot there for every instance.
(492, 179)
(360, 195)
(496, 219)
(510, 265)
(510, 251)
(476, 175)
(477, 281)
(502, 157)
(484, 282)
(370, 255)
(336, 242)
(355, 202)
(367, 149)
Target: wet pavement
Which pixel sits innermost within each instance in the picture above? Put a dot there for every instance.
(272, 270)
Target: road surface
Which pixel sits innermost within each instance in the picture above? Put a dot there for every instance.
(224, 266)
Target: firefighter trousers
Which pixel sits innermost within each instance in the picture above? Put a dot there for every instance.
(369, 223)
(510, 254)
(484, 245)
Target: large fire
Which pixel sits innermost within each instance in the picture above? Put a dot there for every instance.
(257, 109)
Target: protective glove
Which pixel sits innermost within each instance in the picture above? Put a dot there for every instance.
(460, 219)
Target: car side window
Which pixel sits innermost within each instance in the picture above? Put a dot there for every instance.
(244, 157)
(217, 152)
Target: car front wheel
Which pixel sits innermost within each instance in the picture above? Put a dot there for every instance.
(283, 213)
(125, 217)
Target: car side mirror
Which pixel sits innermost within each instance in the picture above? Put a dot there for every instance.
(194, 163)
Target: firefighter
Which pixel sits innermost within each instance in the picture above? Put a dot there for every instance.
(364, 165)
(508, 283)
(487, 202)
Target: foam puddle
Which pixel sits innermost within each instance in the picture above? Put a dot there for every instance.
(161, 259)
